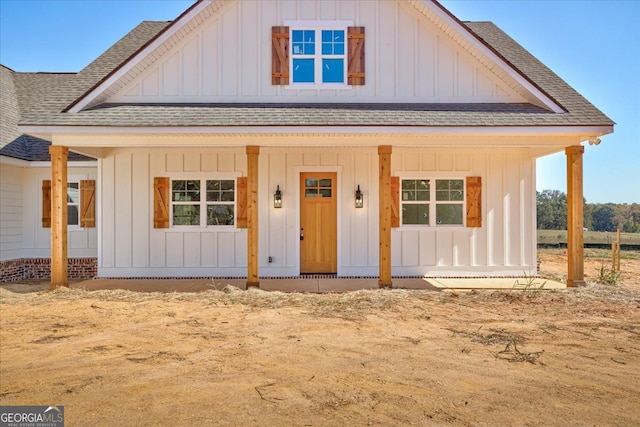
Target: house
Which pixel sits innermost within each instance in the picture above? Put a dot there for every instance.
(273, 138)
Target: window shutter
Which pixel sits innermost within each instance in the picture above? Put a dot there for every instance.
(161, 202)
(241, 194)
(395, 201)
(46, 203)
(355, 67)
(88, 203)
(474, 201)
(279, 55)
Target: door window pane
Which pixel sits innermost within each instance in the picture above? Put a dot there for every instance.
(318, 187)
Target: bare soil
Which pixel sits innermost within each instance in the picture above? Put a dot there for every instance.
(398, 357)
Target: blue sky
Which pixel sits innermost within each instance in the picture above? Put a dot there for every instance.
(593, 45)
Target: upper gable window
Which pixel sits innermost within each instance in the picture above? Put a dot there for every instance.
(318, 54)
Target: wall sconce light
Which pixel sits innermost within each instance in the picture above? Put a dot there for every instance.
(359, 198)
(277, 198)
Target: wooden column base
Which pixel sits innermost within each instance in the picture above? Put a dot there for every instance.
(385, 284)
(253, 284)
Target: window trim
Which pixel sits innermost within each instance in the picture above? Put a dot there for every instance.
(77, 204)
(318, 26)
(203, 177)
(431, 176)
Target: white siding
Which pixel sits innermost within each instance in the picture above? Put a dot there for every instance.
(227, 58)
(11, 212)
(502, 245)
(132, 247)
(35, 241)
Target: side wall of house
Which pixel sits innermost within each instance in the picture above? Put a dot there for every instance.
(11, 211)
(36, 240)
(25, 245)
(131, 247)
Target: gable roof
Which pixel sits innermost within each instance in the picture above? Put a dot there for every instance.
(28, 95)
(49, 111)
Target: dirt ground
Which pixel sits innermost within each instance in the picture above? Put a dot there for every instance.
(383, 357)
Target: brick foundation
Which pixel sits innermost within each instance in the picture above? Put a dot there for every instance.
(40, 268)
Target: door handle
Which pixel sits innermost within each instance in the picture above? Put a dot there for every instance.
(302, 234)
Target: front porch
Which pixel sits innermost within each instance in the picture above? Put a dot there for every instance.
(316, 284)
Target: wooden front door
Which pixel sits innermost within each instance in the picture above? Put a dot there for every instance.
(318, 222)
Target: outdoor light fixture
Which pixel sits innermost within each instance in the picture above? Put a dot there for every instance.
(359, 198)
(277, 198)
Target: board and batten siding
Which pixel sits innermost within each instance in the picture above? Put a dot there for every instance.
(227, 58)
(504, 245)
(131, 247)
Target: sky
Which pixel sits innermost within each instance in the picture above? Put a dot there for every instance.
(594, 45)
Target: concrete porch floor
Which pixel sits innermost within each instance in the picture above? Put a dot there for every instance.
(315, 285)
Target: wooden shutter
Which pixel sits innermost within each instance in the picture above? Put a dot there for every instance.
(241, 197)
(161, 202)
(474, 201)
(395, 201)
(46, 203)
(355, 61)
(88, 203)
(279, 55)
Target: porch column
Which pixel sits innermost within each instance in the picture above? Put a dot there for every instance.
(575, 216)
(252, 216)
(384, 161)
(59, 216)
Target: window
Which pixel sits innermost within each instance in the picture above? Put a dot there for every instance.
(81, 208)
(318, 53)
(198, 202)
(73, 203)
(318, 56)
(432, 202)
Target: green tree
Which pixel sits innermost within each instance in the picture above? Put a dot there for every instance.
(604, 217)
(551, 206)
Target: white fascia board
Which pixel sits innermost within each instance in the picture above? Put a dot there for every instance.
(40, 164)
(174, 28)
(356, 130)
(548, 102)
(5, 160)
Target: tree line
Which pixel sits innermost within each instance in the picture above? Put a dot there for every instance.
(552, 214)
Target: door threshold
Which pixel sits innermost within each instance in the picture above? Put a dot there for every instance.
(318, 275)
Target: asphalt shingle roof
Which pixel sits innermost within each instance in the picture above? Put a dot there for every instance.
(24, 96)
(52, 94)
